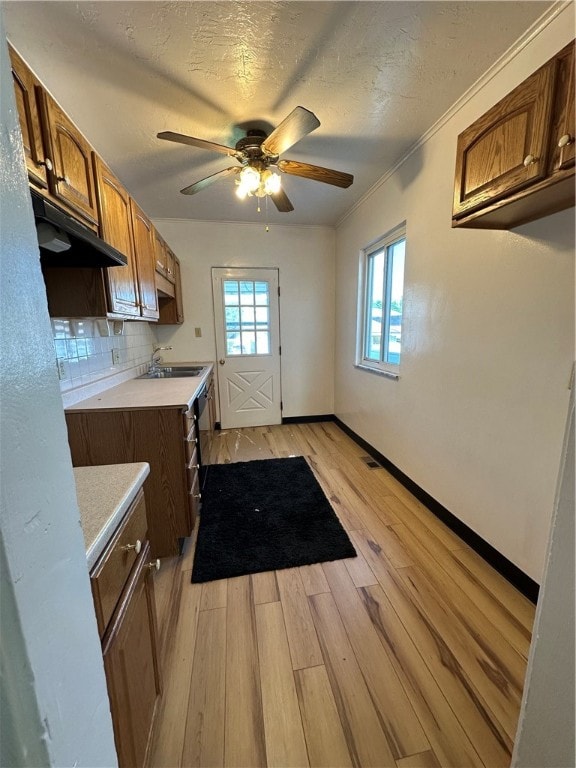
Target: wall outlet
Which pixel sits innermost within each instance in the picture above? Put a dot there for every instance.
(198, 332)
(116, 357)
(61, 366)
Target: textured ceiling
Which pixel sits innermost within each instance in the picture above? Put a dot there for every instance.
(377, 75)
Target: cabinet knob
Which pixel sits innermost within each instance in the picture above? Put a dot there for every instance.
(65, 179)
(529, 160)
(136, 547)
(47, 163)
(222, 361)
(565, 140)
(194, 466)
(196, 495)
(155, 564)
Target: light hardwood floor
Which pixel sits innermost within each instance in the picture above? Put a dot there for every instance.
(410, 655)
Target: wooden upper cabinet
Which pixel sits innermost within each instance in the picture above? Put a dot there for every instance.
(116, 229)
(71, 180)
(516, 162)
(144, 246)
(507, 147)
(25, 84)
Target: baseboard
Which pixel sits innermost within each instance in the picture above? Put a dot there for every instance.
(307, 419)
(523, 583)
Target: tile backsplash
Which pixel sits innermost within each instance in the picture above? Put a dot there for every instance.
(95, 354)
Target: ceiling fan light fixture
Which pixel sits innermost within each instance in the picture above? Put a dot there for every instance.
(249, 179)
(272, 182)
(257, 182)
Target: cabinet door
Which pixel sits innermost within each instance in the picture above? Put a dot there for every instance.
(130, 649)
(170, 265)
(25, 91)
(115, 228)
(145, 262)
(507, 148)
(71, 180)
(563, 139)
(160, 254)
(178, 292)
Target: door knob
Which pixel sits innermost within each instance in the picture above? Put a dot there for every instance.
(221, 361)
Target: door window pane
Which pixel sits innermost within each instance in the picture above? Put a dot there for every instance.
(247, 317)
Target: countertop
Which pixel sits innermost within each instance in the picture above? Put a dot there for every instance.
(136, 394)
(104, 495)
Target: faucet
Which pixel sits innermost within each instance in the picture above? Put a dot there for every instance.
(155, 359)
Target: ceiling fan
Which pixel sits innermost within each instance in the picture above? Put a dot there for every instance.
(257, 153)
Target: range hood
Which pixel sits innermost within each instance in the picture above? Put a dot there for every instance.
(64, 242)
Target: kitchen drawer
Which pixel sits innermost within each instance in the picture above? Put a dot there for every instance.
(194, 498)
(191, 442)
(109, 575)
(192, 468)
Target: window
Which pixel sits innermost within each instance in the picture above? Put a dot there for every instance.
(247, 317)
(380, 303)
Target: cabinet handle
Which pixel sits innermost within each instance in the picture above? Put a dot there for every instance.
(154, 564)
(136, 547)
(47, 163)
(196, 495)
(65, 179)
(565, 140)
(529, 160)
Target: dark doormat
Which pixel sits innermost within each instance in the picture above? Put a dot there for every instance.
(263, 516)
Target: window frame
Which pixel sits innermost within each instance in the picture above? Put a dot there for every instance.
(383, 243)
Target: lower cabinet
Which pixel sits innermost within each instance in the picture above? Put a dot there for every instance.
(123, 591)
(166, 438)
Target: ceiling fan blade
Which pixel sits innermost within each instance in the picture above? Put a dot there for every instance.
(316, 173)
(299, 123)
(181, 138)
(200, 185)
(281, 201)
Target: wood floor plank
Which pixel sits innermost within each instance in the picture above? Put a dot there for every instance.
(168, 738)
(359, 570)
(422, 760)
(474, 606)
(204, 734)
(443, 730)
(360, 489)
(300, 630)
(398, 719)
(324, 735)
(313, 579)
(365, 736)
(483, 584)
(244, 724)
(265, 587)
(214, 594)
(285, 742)
(489, 674)
(488, 735)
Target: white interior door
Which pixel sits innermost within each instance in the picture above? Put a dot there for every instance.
(247, 323)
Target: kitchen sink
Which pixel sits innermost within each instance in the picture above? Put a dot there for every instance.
(174, 372)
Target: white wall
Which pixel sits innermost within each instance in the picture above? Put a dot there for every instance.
(546, 726)
(305, 258)
(478, 414)
(55, 708)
